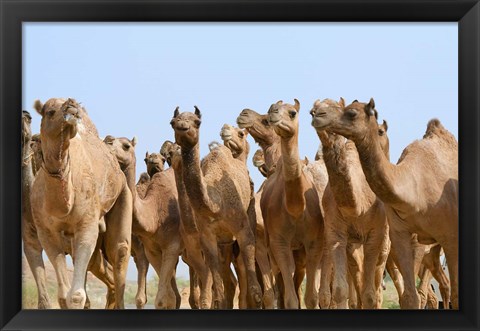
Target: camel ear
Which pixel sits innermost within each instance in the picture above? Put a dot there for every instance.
(279, 102)
(341, 102)
(385, 125)
(38, 106)
(197, 112)
(370, 108)
(176, 112)
(297, 105)
(146, 154)
(134, 141)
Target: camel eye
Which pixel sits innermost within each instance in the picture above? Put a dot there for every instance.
(293, 114)
(352, 113)
(381, 132)
(198, 122)
(265, 122)
(50, 113)
(241, 134)
(126, 146)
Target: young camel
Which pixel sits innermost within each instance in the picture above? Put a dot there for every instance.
(353, 215)
(219, 193)
(236, 140)
(291, 208)
(79, 190)
(155, 222)
(420, 192)
(258, 127)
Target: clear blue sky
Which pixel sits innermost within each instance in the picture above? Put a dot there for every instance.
(130, 77)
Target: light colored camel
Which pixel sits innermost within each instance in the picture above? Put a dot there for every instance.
(236, 140)
(155, 223)
(258, 160)
(353, 214)
(258, 127)
(155, 162)
(219, 193)
(79, 191)
(31, 244)
(291, 208)
(420, 192)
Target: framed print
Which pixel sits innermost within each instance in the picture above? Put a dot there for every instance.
(329, 94)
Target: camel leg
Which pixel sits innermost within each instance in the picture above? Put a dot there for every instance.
(103, 270)
(300, 259)
(451, 254)
(84, 243)
(285, 262)
(176, 292)
(203, 275)
(371, 281)
(402, 250)
(141, 261)
(210, 250)
(432, 262)
(194, 297)
(241, 271)
(313, 252)
(246, 242)
(266, 274)
(355, 279)
(425, 277)
(225, 257)
(33, 252)
(118, 242)
(166, 298)
(52, 242)
(394, 274)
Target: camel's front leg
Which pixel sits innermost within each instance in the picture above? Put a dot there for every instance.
(118, 242)
(52, 242)
(210, 251)
(84, 242)
(103, 270)
(380, 268)
(285, 262)
(403, 256)
(355, 269)
(166, 298)
(241, 271)
(141, 261)
(225, 258)
(372, 282)
(313, 250)
(395, 275)
(266, 272)
(33, 252)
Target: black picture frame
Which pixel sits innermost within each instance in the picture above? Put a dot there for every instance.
(14, 12)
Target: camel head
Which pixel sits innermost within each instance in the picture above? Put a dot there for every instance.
(284, 118)
(383, 138)
(259, 162)
(36, 146)
(257, 125)
(353, 121)
(144, 178)
(165, 151)
(235, 139)
(26, 127)
(155, 162)
(123, 149)
(186, 126)
(325, 112)
(175, 155)
(60, 118)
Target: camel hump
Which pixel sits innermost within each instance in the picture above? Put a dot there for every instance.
(433, 126)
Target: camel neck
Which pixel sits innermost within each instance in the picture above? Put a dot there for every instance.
(194, 183)
(129, 172)
(291, 168)
(346, 178)
(186, 213)
(271, 153)
(27, 169)
(381, 175)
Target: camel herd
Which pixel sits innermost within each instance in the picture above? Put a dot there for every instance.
(340, 221)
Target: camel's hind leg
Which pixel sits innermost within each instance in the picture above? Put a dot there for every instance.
(355, 279)
(33, 252)
(117, 241)
(241, 271)
(103, 270)
(432, 262)
(141, 261)
(210, 250)
(266, 274)
(395, 274)
(285, 262)
(451, 254)
(196, 261)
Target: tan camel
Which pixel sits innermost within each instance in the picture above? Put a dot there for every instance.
(236, 140)
(142, 184)
(258, 127)
(123, 149)
(420, 192)
(31, 244)
(155, 162)
(79, 189)
(259, 162)
(155, 223)
(291, 208)
(219, 192)
(353, 214)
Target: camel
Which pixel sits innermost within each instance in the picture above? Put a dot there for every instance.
(353, 214)
(420, 192)
(166, 150)
(142, 184)
(236, 140)
(79, 191)
(258, 127)
(31, 244)
(259, 162)
(155, 162)
(219, 192)
(291, 208)
(155, 223)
